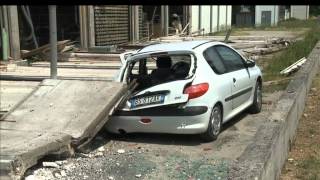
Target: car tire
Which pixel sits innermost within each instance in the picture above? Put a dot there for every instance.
(257, 99)
(214, 125)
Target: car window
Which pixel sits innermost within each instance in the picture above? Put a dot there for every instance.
(214, 60)
(231, 59)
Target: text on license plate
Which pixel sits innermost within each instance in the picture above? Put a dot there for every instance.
(147, 100)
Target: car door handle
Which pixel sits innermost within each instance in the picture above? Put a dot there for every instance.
(234, 80)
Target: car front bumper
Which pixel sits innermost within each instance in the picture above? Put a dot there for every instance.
(188, 120)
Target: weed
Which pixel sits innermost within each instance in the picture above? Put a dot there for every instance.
(310, 168)
(294, 52)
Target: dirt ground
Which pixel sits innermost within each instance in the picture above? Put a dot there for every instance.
(304, 158)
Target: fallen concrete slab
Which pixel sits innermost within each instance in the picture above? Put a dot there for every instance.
(57, 115)
(12, 92)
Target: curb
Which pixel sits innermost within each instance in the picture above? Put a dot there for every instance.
(265, 156)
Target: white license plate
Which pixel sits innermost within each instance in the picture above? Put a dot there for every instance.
(147, 100)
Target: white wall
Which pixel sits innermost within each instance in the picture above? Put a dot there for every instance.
(214, 19)
(229, 15)
(300, 12)
(194, 18)
(214, 23)
(274, 14)
(205, 18)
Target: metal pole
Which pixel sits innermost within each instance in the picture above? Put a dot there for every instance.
(164, 20)
(53, 41)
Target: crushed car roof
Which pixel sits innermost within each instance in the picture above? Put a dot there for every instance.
(175, 46)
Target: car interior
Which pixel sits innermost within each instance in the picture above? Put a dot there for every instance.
(152, 71)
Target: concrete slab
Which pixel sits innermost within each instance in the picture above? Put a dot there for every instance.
(29, 71)
(57, 114)
(12, 92)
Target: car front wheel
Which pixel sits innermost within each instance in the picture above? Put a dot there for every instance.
(214, 126)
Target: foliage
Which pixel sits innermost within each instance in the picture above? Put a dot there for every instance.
(295, 51)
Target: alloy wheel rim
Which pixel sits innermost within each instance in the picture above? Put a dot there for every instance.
(216, 121)
(259, 96)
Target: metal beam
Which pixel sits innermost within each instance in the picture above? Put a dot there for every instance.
(53, 41)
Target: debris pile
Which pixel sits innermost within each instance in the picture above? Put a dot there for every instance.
(293, 67)
(43, 52)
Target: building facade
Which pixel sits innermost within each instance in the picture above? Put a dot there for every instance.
(210, 18)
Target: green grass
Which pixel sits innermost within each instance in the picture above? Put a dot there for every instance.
(310, 168)
(294, 52)
(288, 25)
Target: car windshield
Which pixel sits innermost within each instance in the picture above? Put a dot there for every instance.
(151, 71)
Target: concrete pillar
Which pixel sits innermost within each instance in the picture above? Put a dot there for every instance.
(83, 26)
(4, 33)
(14, 38)
(134, 23)
(211, 19)
(164, 20)
(190, 19)
(199, 18)
(91, 32)
(218, 19)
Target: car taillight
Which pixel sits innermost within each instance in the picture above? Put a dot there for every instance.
(196, 90)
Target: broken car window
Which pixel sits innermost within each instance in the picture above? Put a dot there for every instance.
(152, 71)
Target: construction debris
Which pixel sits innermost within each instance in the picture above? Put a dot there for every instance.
(227, 36)
(50, 164)
(121, 151)
(43, 51)
(293, 67)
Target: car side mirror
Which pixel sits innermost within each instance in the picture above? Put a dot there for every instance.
(250, 63)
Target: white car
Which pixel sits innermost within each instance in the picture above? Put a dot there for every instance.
(190, 87)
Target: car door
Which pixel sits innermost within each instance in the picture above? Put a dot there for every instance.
(241, 83)
(223, 77)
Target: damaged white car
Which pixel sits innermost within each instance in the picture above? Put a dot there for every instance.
(190, 87)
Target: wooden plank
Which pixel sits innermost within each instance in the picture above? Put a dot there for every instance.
(42, 48)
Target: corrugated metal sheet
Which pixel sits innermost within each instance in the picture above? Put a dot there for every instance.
(111, 25)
